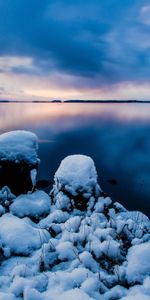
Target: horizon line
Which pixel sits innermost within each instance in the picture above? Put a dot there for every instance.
(76, 101)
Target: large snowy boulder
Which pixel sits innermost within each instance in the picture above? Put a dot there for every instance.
(33, 205)
(75, 180)
(18, 160)
(138, 263)
(18, 236)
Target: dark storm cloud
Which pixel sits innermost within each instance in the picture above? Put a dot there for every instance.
(105, 40)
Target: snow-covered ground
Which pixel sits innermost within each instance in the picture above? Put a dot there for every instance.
(73, 244)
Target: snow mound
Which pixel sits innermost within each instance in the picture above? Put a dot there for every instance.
(34, 205)
(19, 237)
(18, 146)
(75, 183)
(76, 173)
(138, 262)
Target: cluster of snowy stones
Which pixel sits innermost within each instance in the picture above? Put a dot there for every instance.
(74, 243)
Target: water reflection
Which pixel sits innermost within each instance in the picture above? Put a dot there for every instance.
(116, 136)
(20, 114)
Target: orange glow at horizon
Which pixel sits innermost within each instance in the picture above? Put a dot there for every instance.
(26, 86)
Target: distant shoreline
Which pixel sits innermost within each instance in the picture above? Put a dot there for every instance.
(75, 101)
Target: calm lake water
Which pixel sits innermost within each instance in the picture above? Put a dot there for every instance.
(116, 136)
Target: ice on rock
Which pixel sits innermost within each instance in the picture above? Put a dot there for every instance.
(76, 178)
(134, 223)
(6, 198)
(6, 195)
(19, 237)
(137, 216)
(34, 205)
(33, 174)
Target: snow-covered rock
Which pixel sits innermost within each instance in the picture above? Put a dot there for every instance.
(19, 146)
(18, 161)
(76, 173)
(35, 205)
(138, 263)
(19, 236)
(76, 183)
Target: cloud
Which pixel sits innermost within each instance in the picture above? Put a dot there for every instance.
(145, 15)
(100, 40)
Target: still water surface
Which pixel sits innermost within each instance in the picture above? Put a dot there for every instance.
(116, 136)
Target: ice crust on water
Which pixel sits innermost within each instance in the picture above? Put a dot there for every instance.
(53, 249)
(18, 146)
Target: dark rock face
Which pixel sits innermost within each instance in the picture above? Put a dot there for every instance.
(16, 176)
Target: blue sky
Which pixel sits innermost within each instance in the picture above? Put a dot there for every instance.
(68, 49)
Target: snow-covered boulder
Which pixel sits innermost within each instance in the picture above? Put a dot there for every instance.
(138, 263)
(18, 160)
(76, 183)
(32, 205)
(18, 236)
(19, 145)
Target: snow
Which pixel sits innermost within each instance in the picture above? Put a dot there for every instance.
(19, 145)
(136, 216)
(66, 251)
(138, 262)
(75, 184)
(18, 236)
(52, 250)
(7, 296)
(35, 204)
(76, 173)
(138, 296)
(74, 294)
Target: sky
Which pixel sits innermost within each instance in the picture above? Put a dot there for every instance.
(64, 49)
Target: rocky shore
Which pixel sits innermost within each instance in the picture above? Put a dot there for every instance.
(71, 243)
